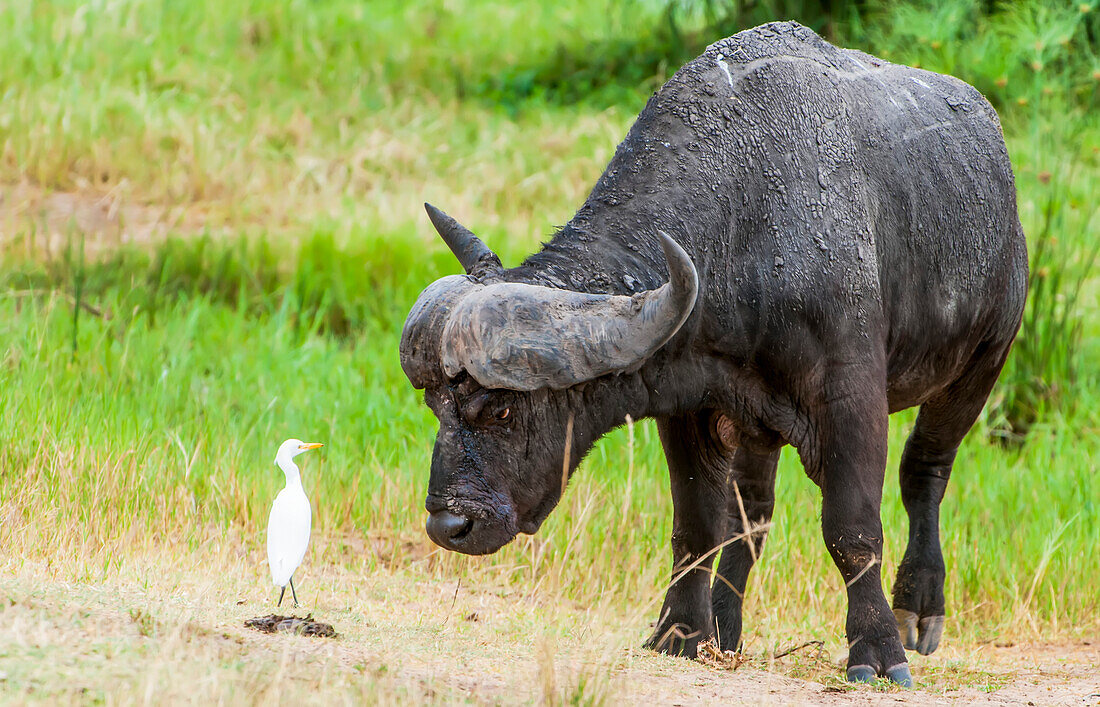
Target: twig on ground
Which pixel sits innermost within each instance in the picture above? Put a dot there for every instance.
(816, 642)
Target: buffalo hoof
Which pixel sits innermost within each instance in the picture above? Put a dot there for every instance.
(676, 640)
(898, 674)
(921, 635)
(861, 673)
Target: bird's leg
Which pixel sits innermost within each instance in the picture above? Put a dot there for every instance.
(294, 593)
(281, 597)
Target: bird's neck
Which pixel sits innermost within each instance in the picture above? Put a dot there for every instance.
(293, 476)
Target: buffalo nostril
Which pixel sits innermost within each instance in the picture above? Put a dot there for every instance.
(445, 527)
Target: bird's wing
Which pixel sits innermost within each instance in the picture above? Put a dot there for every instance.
(288, 529)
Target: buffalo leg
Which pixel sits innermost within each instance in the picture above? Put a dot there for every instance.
(849, 462)
(943, 421)
(752, 480)
(698, 466)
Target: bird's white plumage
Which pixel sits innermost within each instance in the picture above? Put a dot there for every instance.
(288, 529)
(288, 525)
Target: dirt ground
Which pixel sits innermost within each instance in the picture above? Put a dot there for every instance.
(163, 632)
(1031, 675)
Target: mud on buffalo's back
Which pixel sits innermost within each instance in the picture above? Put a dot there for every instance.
(850, 159)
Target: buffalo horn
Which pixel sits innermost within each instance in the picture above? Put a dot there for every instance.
(526, 337)
(468, 248)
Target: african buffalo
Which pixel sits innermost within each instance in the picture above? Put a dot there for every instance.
(793, 241)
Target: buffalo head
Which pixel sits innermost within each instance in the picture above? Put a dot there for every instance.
(508, 369)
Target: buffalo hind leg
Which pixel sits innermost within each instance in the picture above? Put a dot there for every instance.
(752, 479)
(698, 465)
(943, 421)
(848, 460)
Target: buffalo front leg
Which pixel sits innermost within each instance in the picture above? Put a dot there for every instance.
(919, 605)
(698, 466)
(849, 462)
(751, 500)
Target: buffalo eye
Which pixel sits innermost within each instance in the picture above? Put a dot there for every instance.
(504, 414)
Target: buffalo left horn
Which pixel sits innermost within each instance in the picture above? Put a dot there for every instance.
(526, 337)
(471, 252)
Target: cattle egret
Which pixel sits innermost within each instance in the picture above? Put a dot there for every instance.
(289, 523)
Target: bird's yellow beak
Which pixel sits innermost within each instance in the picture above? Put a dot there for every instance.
(310, 445)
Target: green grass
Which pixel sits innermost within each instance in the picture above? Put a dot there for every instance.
(286, 148)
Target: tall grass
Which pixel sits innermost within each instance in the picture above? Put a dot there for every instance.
(1050, 365)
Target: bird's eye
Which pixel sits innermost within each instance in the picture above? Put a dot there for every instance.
(505, 414)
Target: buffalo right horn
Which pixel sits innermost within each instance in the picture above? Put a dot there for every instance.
(526, 337)
(468, 248)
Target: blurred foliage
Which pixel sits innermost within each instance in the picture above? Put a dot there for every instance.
(997, 47)
(643, 55)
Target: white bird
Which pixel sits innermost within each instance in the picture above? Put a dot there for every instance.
(289, 523)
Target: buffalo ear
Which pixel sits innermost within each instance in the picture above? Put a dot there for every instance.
(474, 256)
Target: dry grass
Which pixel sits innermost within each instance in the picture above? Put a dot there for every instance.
(375, 177)
(167, 626)
(144, 602)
